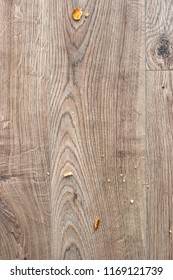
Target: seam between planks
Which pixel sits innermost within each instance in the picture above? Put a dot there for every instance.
(146, 157)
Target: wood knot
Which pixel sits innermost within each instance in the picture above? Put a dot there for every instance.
(163, 49)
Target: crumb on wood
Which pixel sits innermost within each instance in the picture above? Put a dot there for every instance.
(96, 223)
(86, 15)
(131, 201)
(77, 14)
(109, 180)
(68, 174)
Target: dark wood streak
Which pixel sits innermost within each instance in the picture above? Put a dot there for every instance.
(72, 252)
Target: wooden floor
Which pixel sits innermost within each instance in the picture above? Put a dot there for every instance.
(86, 129)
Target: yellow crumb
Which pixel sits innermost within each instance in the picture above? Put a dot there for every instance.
(86, 15)
(67, 174)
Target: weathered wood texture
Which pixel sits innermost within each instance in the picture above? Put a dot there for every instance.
(160, 165)
(159, 34)
(75, 97)
(96, 125)
(24, 157)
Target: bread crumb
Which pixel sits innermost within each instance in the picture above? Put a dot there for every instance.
(68, 174)
(77, 14)
(96, 223)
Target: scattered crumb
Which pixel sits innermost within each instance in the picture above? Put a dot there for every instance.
(68, 174)
(48, 173)
(103, 156)
(86, 15)
(121, 175)
(120, 166)
(135, 167)
(170, 231)
(96, 224)
(139, 178)
(124, 180)
(109, 180)
(147, 185)
(77, 14)
(131, 201)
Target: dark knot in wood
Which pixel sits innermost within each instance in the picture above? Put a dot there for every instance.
(163, 49)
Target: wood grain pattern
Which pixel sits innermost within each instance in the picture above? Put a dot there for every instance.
(160, 165)
(24, 157)
(159, 34)
(86, 130)
(96, 124)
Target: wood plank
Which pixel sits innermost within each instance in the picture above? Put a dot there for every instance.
(96, 125)
(159, 35)
(160, 165)
(24, 161)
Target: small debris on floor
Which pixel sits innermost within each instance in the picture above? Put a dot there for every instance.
(48, 173)
(109, 180)
(131, 201)
(135, 167)
(68, 174)
(103, 156)
(96, 224)
(77, 14)
(86, 15)
(170, 231)
(121, 175)
(147, 185)
(124, 180)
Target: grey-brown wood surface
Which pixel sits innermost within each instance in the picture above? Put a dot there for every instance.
(24, 150)
(160, 164)
(86, 129)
